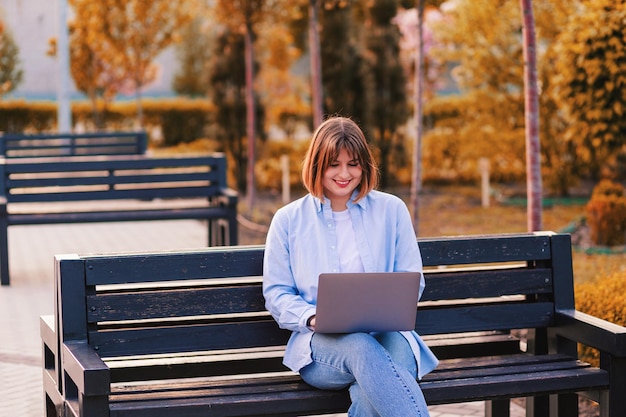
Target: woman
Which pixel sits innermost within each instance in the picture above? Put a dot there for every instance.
(344, 225)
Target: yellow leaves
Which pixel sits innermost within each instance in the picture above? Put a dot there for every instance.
(52, 47)
(126, 35)
(589, 66)
(605, 297)
(484, 38)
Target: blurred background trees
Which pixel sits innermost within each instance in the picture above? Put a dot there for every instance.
(589, 85)
(482, 37)
(10, 67)
(473, 81)
(118, 41)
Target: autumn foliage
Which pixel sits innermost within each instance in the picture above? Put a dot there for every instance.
(604, 297)
(606, 214)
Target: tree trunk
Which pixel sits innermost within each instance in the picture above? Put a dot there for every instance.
(139, 106)
(316, 65)
(533, 156)
(250, 115)
(416, 174)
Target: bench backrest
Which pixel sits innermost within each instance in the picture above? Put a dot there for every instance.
(112, 177)
(14, 145)
(211, 299)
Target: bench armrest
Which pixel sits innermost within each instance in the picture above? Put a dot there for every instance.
(229, 193)
(47, 333)
(592, 331)
(83, 366)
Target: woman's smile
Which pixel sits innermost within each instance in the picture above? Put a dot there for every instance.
(341, 178)
(342, 183)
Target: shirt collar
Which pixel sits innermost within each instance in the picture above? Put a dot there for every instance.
(361, 203)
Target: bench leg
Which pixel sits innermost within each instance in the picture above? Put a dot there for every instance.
(233, 233)
(78, 404)
(565, 404)
(498, 408)
(4, 252)
(53, 400)
(617, 400)
(538, 406)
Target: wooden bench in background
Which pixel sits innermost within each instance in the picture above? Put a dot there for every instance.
(14, 145)
(186, 334)
(116, 188)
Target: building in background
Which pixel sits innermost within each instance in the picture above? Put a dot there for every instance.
(33, 23)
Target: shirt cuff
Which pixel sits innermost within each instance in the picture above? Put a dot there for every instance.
(305, 318)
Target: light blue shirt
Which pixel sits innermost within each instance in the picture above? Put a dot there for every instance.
(302, 243)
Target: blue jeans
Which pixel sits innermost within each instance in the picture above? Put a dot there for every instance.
(380, 370)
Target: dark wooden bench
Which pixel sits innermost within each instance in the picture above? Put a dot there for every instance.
(186, 334)
(14, 145)
(116, 188)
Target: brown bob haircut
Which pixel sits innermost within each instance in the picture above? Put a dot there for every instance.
(330, 138)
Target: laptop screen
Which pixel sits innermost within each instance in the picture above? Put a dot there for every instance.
(367, 302)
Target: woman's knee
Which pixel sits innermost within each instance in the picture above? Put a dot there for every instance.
(399, 349)
(345, 342)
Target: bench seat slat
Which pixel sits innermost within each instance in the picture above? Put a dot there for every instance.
(461, 250)
(64, 144)
(480, 284)
(515, 385)
(470, 318)
(273, 401)
(182, 191)
(474, 344)
(24, 185)
(500, 361)
(188, 338)
(219, 263)
(222, 367)
(106, 163)
(120, 216)
(523, 368)
(176, 303)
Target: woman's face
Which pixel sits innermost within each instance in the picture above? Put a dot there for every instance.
(341, 178)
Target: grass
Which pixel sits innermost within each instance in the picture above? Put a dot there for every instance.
(457, 210)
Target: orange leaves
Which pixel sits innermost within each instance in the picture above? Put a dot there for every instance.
(605, 298)
(590, 60)
(127, 35)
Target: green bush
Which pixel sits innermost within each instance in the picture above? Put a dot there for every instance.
(179, 120)
(605, 298)
(606, 214)
(608, 188)
(17, 116)
(268, 169)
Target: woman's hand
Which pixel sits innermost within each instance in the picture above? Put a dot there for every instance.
(310, 323)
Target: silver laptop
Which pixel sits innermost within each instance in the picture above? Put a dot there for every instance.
(366, 302)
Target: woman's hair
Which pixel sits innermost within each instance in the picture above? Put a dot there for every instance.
(332, 136)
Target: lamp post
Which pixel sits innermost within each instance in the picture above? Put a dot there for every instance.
(64, 111)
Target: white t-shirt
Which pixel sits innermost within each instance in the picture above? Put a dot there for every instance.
(349, 258)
